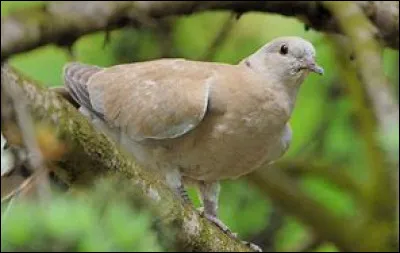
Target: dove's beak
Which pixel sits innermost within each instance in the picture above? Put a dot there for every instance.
(312, 66)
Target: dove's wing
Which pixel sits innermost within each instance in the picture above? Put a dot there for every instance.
(156, 99)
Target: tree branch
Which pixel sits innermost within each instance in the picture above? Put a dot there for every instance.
(62, 23)
(369, 62)
(91, 155)
(380, 192)
(344, 232)
(35, 160)
(377, 109)
(336, 175)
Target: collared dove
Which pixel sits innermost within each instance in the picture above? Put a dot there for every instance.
(198, 122)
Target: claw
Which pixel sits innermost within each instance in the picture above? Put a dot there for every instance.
(218, 223)
(226, 230)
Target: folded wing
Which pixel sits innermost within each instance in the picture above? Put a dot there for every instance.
(148, 100)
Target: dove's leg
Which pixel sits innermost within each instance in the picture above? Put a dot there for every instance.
(174, 181)
(209, 192)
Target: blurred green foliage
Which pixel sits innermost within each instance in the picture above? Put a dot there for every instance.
(321, 101)
(104, 219)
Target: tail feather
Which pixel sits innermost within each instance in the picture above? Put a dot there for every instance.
(76, 77)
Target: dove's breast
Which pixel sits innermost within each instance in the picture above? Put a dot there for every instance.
(236, 143)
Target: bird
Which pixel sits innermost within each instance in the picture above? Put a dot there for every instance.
(196, 122)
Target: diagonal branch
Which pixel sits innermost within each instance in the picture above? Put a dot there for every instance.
(63, 22)
(379, 190)
(378, 110)
(344, 232)
(91, 155)
(369, 62)
(337, 176)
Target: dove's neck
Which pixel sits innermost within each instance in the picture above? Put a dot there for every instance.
(276, 78)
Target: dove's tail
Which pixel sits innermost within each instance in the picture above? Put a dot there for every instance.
(76, 77)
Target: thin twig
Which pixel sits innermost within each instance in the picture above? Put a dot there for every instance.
(20, 188)
(4, 214)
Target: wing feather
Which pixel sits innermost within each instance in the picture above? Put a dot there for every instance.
(150, 100)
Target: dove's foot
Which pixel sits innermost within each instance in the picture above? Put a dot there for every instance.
(217, 222)
(226, 230)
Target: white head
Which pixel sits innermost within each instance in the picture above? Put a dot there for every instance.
(288, 59)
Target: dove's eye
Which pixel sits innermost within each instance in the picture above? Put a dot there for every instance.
(284, 49)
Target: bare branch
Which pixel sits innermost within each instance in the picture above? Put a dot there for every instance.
(63, 22)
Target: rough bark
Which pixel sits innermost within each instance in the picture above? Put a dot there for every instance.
(63, 22)
(90, 155)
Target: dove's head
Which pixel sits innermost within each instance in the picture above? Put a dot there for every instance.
(286, 58)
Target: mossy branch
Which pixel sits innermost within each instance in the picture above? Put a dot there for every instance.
(62, 23)
(91, 155)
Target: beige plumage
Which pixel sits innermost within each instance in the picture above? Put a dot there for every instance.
(196, 121)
